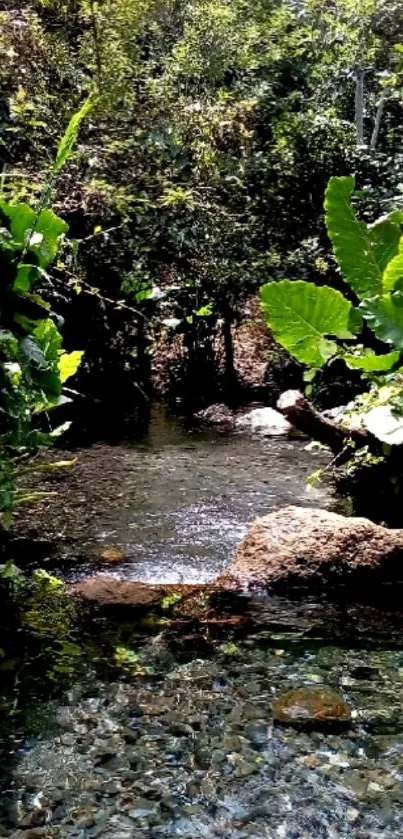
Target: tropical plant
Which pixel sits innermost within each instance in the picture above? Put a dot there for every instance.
(364, 326)
(33, 364)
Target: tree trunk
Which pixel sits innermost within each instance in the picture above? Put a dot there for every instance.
(297, 410)
(359, 106)
(230, 377)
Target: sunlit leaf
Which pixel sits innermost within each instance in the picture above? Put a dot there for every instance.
(69, 364)
(302, 316)
(368, 361)
(384, 235)
(50, 227)
(351, 240)
(25, 278)
(22, 220)
(394, 270)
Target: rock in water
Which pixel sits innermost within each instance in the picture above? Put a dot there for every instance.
(316, 706)
(264, 421)
(110, 591)
(192, 600)
(109, 554)
(219, 414)
(299, 547)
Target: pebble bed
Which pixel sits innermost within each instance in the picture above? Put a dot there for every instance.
(190, 749)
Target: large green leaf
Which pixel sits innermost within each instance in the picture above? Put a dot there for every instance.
(31, 353)
(384, 314)
(70, 136)
(39, 234)
(394, 270)
(301, 315)
(351, 240)
(385, 235)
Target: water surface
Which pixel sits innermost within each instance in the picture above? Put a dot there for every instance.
(188, 497)
(120, 730)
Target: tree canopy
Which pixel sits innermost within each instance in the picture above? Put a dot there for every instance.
(200, 171)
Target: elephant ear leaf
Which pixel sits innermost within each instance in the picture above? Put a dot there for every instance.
(384, 315)
(302, 316)
(394, 270)
(385, 236)
(354, 251)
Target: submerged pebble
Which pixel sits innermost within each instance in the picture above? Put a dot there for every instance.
(315, 706)
(173, 756)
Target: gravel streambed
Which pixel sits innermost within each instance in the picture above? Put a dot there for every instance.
(171, 748)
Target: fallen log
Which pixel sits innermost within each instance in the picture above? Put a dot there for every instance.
(299, 412)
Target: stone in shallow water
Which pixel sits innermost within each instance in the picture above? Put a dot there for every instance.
(314, 706)
(264, 421)
(300, 547)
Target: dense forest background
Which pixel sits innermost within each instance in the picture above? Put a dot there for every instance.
(198, 176)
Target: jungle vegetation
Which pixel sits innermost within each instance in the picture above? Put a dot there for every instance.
(196, 177)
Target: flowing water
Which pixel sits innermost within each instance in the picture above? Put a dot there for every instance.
(187, 498)
(121, 729)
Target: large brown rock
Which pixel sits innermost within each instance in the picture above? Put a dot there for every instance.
(103, 590)
(302, 547)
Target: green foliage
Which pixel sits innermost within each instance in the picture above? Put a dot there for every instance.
(384, 314)
(368, 361)
(351, 241)
(169, 601)
(393, 271)
(33, 366)
(211, 121)
(130, 662)
(48, 609)
(384, 237)
(70, 136)
(301, 315)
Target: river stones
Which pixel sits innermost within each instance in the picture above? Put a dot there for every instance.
(216, 415)
(266, 421)
(299, 547)
(312, 706)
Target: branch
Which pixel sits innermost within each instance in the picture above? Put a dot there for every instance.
(297, 410)
(377, 123)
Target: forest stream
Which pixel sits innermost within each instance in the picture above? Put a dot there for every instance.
(123, 730)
